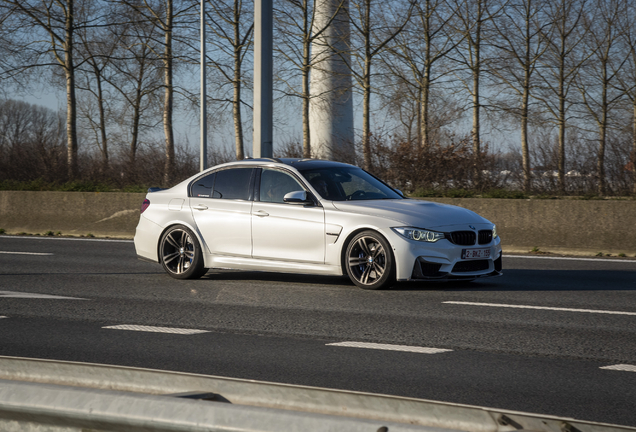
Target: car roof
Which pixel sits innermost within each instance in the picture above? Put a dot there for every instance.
(300, 163)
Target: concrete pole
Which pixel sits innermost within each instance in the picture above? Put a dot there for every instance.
(263, 94)
(331, 103)
(203, 163)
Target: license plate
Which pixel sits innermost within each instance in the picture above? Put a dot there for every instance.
(475, 253)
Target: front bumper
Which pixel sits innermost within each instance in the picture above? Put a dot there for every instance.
(462, 270)
(443, 260)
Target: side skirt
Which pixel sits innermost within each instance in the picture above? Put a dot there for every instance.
(244, 263)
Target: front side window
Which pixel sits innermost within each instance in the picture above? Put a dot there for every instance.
(276, 184)
(233, 184)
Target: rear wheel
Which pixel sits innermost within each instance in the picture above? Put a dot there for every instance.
(180, 253)
(369, 261)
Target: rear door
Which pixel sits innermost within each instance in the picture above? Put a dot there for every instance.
(222, 208)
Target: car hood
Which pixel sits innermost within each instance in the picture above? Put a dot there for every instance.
(411, 212)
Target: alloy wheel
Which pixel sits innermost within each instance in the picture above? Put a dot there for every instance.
(367, 260)
(178, 251)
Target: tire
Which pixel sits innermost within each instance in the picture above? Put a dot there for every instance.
(369, 261)
(180, 253)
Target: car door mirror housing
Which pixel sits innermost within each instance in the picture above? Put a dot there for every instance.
(297, 197)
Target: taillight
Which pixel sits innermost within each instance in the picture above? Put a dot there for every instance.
(145, 205)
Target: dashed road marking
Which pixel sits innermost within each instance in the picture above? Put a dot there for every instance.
(24, 253)
(630, 261)
(156, 329)
(67, 238)
(17, 294)
(3, 317)
(541, 308)
(621, 367)
(406, 348)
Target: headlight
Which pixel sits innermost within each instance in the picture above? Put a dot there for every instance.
(419, 234)
(494, 231)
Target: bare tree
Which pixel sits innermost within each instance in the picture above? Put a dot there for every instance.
(96, 46)
(299, 28)
(372, 36)
(596, 82)
(520, 40)
(135, 73)
(49, 29)
(421, 47)
(32, 141)
(163, 15)
(627, 79)
(474, 25)
(232, 31)
(560, 67)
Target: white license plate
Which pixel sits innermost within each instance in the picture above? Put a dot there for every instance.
(475, 253)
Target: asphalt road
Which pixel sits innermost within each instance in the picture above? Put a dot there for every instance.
(534, 340)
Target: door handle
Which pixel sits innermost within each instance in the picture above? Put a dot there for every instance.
(200, 207)
(261, 213)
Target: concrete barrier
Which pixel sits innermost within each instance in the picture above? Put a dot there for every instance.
(566, 226)
(108, 214)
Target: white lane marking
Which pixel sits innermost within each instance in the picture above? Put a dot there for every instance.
(540, 308)
(17, 294)
(415, 349)
(155, 329)
(3, 317)
(66, 238)
(621, 367)
(24, 253)
(630, 261)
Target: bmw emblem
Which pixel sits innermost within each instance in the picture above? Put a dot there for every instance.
(471, 227)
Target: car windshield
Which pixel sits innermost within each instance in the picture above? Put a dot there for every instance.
(347, 183)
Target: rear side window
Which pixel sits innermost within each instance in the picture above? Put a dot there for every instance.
(202, 187)
(233, 184)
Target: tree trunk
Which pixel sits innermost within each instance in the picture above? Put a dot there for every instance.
(71, 104)
(236, 102)
(366, 107)
(602, 135)
(476, 70)
(525, 152)
(305, 91)
(424, 108)
(102, 121)
(561, 122)
(366, 103)
(168, 177)
(634, 149)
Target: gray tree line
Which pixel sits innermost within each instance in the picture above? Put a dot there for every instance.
(552, 82)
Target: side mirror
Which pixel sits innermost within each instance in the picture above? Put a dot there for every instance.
(400, 192)
(297, 197)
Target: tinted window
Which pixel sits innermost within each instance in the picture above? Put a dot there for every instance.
(347, 183)
(202, 187)
(276, 184)
(233, 184)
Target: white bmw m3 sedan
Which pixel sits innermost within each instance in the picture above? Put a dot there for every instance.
(314, 217)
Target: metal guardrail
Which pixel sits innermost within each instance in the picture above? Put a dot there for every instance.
(45, 395)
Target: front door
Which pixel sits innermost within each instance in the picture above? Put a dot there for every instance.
(282, 231)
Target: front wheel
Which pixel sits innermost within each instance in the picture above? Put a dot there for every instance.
(369, 261)
(180, 253)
